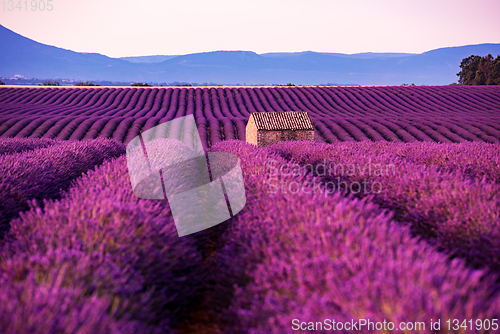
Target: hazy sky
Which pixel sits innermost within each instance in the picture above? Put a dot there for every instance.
(119, 28)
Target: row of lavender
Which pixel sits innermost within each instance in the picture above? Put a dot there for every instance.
(37, 169)
(102, 260)
(94, 259)
(239, 102)
(215, 130)
(97, 261)
(303, 249)
(448, 194)
(404, 130)
(117, 128)
(439, 114)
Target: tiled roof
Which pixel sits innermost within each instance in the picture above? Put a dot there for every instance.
(288, 120)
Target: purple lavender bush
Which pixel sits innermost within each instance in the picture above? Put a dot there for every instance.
(423, 248)
(62, 292)
(303, 255)
(18, 145)
(46, 171)
(449, 194)
(109, 244)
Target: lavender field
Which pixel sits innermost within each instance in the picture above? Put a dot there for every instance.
(401, 114)
(392, 215)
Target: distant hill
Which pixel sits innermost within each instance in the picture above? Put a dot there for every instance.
(356, 55)
(147, 59)
(24, 57)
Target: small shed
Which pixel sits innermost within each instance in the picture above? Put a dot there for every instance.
(267, 128)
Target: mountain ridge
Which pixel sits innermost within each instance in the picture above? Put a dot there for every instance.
(24, 57)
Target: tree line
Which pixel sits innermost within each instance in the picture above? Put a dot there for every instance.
(477, 70)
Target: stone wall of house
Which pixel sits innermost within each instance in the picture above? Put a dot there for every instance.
(266, 138)
(251, 132)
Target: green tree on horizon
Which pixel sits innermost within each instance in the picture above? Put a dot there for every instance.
(50, 83)
(86, 83)
(140, 84)
(477, 70)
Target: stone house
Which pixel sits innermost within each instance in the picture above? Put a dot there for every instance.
(267, 128)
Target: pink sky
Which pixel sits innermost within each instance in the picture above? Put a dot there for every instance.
(120, 28)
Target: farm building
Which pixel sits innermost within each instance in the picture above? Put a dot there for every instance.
(267, 128)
